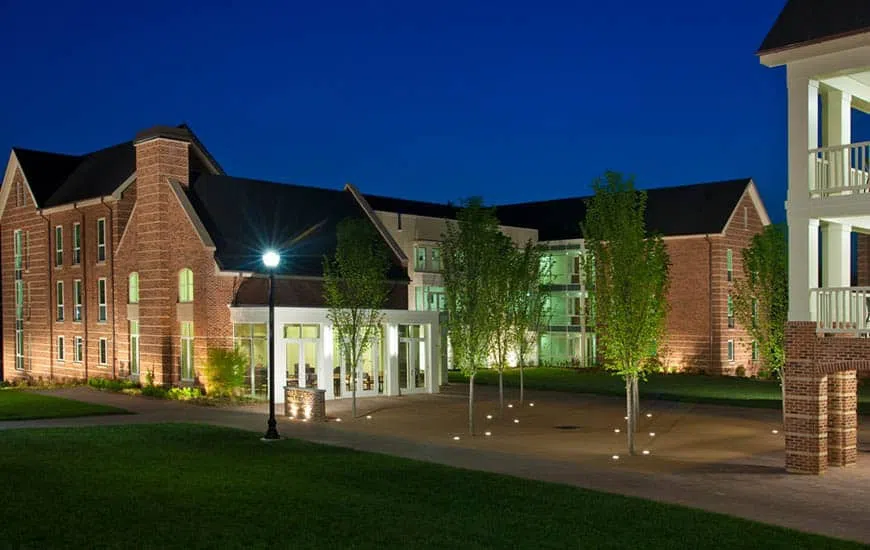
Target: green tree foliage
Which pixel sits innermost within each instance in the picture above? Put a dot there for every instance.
(761, 295)
(355, 288)
(503, 293)
(630, 270)
(470, 268)
(224, 371)
(528, 298)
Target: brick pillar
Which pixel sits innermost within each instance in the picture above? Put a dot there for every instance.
(842, 418)
(161, 156)
(806, 419)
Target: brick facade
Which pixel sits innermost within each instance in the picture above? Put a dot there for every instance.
(698, 331)
(821, 398)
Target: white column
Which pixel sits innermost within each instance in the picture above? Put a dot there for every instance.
(803, 131)
(803, 266)
(836, 255)
(837, 130)
(327, 362)
(391, 361)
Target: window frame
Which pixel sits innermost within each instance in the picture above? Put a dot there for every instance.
(78, 301)
(755, 351)
(59, 353)
(58, 246)
(729, 264)
(102, 306)
(59, 310)
(134, 347)
(103, 352)
(78, 349)
(730, 311)
(101, 240)
(418, 265)
(76, 243)
(730, 350)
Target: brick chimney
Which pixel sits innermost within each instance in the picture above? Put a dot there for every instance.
(162, 155)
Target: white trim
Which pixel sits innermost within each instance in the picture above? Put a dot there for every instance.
(126, 228)
(756, 201)
(376, 220)
(788, 54)
(116, 194)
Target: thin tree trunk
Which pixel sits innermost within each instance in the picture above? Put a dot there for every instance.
(500, 390)
(521, 383)
(636, 397)
(353, 393)
(629, 406)
(471, 404)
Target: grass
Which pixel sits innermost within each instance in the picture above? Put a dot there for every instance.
(186, 486)
(18, 404)
(719, 390)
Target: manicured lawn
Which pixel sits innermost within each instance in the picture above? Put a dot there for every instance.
(191, 486)
(721, 390)
(18, 404)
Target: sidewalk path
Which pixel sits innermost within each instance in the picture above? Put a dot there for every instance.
(759, 489)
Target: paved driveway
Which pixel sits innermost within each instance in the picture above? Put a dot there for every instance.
(722, 459)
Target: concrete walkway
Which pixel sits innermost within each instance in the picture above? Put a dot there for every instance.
(721, 459)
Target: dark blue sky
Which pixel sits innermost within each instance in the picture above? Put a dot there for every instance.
(426, 100)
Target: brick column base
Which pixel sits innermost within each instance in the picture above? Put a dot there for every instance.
(806, 419)
(842, 418)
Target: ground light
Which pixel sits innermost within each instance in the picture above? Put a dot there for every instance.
(271, 259)
(338, 419)
(645, 452)
(652, 434)
(615, 457)
(455, 438)
(775, 431)
(616, 430)
(368, 417)
(487, 434)
(489, 417)
(516, 420)
(531, 404)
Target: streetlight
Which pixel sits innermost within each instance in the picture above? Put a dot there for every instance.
(271, 259)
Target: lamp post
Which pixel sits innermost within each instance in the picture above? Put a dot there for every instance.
(271, 259)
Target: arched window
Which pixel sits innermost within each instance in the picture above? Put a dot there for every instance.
(185, 285)
(133, 288)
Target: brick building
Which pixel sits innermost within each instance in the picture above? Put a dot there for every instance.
(133, 261)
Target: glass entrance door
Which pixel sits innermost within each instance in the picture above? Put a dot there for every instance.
(301, 343)
(413, 368)
(369, 373)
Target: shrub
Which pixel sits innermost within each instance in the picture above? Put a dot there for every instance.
(740, 371)
(149, 377)
(183, 394)
(153, 391)
(108, 384)
(225, 371)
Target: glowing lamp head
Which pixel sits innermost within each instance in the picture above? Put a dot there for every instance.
(271, 259)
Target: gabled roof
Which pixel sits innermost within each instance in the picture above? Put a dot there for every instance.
(245, 217)
(697, 209)
(808, 21)
(57, 179)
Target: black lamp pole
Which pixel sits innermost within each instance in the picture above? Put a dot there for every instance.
(272, 431)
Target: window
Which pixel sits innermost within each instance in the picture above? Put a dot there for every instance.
(185, 285)
(134, 347)
(27, 301)
(133, 288)
(420, 258)
(104, 352)
(60, 300)
(187, 371)
(731, 350)
(27, 251)
(102, 312)
(430, 298)
(251, 340)
(730, 312)
(755, 350)
(302, 356)
(412, 357)
(58, 246)
(754, 312)
(77, 244)
(18, 245)
(729, 263)
(101, 240)
(60, 345)
(435, 254)
(78, 350)
(77, 300)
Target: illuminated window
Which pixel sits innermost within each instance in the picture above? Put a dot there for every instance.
(755, 350)
(420, 258)
(102, 310)
(134, 347)
(133, 288)
(185, 285)
(731, 350)
(729, 263)
(78, 349)
(435, 254)
(59, 300)
(77, 244)
(186, 359)
(77, 300)
(730, 312)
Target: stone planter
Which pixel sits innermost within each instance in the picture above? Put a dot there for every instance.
(305, 403)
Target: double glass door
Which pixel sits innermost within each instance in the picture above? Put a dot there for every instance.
(301, 343)
(369, 373)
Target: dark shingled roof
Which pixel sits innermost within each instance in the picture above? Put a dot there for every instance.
(670, 211)
(414, 208)
(244, 217)
(803, 21)
(45, 172)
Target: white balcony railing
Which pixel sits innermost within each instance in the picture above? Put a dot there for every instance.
(842, 310)
(840, 170)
